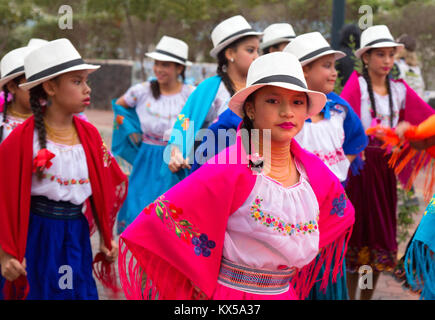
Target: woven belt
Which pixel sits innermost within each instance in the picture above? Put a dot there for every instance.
(254, 280)
(64, 210)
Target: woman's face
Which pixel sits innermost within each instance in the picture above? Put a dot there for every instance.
(281, 110)
(380, 61)
(321, 74)
(243, 54)
(166, 72)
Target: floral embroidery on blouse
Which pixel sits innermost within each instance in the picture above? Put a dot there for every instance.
(338, 205)
(186, 231)
(64, 182)
(185, 124)
(10, 125)
(332, 157)
(279, 225)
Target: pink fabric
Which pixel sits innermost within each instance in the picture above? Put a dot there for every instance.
(225, 293)
(416, 110)
(163, 250)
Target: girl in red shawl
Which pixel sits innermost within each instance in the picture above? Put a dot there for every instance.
(377, 100)
(51, 165)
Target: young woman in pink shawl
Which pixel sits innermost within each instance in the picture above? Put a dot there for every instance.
(377, 100)
(250, 223)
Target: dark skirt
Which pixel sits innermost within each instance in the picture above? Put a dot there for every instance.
(58, 253)
(373, 193)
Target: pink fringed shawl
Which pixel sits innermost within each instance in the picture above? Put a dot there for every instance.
(173, 249)
(416, 110)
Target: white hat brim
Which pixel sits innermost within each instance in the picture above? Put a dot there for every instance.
(317, 99)
(215, 51)
(275, 41)
(31, 84)
(360, 52)
(163, 57)
(10, 77)
(338, 55)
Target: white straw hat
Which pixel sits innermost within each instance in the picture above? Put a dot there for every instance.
(280, 69)
(229, 31)
(51, 60)
(171, 49)
(310, 46)
(376, 37)
(36, 42)
(12, 64)
(277, 33)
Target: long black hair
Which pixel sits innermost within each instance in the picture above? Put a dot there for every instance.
(154, 84)
(366, 76)
(223, 64)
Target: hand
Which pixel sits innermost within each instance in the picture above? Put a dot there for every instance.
(177, 161)
(111, 255)
(401, 128)
(11, 268)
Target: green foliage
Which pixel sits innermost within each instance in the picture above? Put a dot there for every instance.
(407, 207)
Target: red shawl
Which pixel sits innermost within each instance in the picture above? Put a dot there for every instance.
(109, 189)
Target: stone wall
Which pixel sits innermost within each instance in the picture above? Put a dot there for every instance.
(109, 82)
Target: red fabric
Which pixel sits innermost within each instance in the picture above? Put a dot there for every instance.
(108, 182)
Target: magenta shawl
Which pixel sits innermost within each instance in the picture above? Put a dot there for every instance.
(167, 261)
(416, 110)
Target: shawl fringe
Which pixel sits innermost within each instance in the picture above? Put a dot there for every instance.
(420, 269)
(152, 278)
(304, 281)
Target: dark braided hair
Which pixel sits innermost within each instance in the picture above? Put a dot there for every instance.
(36, 94)
(366, 76)
(154, 84)
(223, 63)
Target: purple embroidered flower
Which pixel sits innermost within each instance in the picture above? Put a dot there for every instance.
(203, 245)
(338, 205)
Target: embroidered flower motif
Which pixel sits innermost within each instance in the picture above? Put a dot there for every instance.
(186, 231)
(64, 182)
(279, 225)
(203, 245)
(185, 124)
(180, 116)
(338, 205)
(107, 157)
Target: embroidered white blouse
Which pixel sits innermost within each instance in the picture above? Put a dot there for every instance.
(156, 116)
(382, 104)
(9, 125)
(276, 226)
(68, 178)
(325, 139)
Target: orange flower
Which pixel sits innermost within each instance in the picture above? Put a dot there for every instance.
(119, 119)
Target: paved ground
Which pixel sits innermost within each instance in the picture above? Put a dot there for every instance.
(387, 288)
